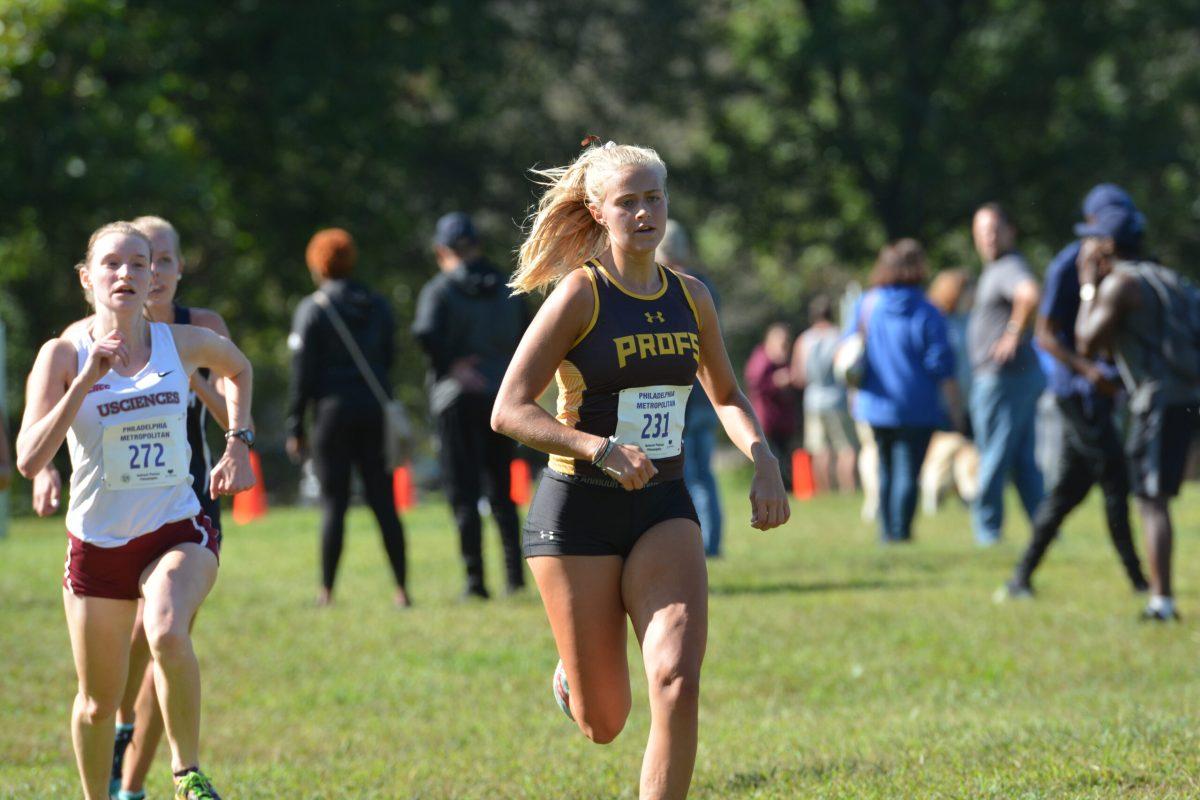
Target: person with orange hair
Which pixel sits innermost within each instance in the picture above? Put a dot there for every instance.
(348, 428)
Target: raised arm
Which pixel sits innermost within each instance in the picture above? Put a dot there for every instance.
(768, 499)
(1100, 314)
(54, 394)
(47, 484)
(558, 325)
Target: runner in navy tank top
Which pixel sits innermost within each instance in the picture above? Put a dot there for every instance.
(612, 536)
(197, 418)
(632, 341)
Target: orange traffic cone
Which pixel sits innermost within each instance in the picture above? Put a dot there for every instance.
(252, 503)
(403, 491)
(520, 488)
(803, 484)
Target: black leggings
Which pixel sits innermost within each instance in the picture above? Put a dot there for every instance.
(475, 463)
(1090, 453)
(345, 436)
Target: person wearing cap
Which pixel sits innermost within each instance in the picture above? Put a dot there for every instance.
(1007, 377)
(1089, 447)
(469, 325)
(1144, 314)
(700, 418)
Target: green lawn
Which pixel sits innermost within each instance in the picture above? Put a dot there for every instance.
(836, 669)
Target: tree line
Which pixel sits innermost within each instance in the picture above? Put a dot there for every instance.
(801, 135)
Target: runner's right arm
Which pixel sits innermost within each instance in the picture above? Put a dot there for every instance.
(545, 344)
(54, 394)
(47, 484)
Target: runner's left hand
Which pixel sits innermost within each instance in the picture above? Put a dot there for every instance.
(47, 489)
(768, 499)
(233, 472)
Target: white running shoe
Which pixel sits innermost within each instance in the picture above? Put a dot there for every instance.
(562, 692)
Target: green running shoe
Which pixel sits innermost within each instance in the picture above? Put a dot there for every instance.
(195, 786)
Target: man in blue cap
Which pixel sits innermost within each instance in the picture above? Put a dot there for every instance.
(469, 324)
(1146, 315)
(1090, 449)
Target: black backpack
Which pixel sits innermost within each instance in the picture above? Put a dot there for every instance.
(1179, 299)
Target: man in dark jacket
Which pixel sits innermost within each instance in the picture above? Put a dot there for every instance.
(468, 324)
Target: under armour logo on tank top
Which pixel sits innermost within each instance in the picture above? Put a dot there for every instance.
(629, 374)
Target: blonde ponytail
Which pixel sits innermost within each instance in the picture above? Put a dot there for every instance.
(562, 232)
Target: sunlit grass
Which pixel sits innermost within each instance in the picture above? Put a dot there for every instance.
(836, 668)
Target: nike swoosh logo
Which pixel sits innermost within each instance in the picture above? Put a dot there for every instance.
(165, 374)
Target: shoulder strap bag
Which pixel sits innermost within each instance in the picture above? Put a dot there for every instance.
(397, 429)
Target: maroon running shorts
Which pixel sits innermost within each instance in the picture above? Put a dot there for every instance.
(115, 572)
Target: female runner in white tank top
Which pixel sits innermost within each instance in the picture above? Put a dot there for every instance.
(133, 752)
(118, 395)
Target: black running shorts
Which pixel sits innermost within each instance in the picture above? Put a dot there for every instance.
(577, 517)
(1158, 449)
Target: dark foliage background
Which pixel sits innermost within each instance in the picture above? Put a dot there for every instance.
(801, 135)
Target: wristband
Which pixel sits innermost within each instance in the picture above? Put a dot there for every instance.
(245, 434)
(603, 452)
(1012, 327)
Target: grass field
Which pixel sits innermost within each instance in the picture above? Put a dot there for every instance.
(836, 669)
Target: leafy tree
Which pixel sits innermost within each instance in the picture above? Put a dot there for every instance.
(801, 135)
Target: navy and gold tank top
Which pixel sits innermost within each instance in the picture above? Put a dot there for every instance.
(631, 370)
(197, 416)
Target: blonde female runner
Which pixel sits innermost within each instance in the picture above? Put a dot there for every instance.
(612, 534)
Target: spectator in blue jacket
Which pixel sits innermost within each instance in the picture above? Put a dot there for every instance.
(910, 371)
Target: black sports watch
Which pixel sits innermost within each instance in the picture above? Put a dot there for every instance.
(245, 434)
